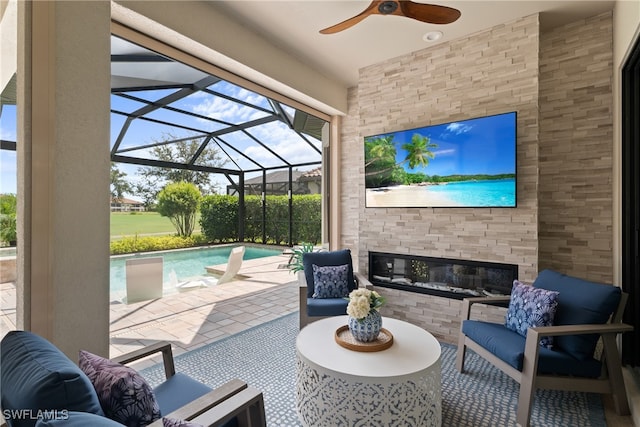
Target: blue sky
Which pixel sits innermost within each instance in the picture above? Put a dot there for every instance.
(483, 145)
(8, 160)
(276, 135)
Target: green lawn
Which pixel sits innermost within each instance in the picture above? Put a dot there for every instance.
(129, 224)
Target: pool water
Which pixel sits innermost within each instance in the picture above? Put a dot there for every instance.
(186, 263)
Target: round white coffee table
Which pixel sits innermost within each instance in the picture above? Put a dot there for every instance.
(399, 386)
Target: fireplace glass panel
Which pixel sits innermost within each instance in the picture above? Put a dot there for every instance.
(441, 276)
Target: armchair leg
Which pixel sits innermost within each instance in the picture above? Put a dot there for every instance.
(528, 379)
(616, 380)
(462, 350)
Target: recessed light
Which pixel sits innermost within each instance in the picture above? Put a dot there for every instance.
(432, 36)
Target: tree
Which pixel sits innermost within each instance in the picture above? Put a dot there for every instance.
(178, 150)
(8, 207)
(419, 151)
(119, 185)
(179, 202)
(381, 167)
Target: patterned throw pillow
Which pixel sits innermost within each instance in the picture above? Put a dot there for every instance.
(124, 395)
(330, 281)
(530, 307)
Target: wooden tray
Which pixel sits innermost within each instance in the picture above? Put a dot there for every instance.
(345, 339)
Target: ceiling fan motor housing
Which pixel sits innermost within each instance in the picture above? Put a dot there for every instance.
(388, 7)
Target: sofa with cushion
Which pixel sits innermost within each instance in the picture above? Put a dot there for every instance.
(40, 386)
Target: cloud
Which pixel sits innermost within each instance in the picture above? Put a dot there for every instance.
(458, 128)
(448, 152)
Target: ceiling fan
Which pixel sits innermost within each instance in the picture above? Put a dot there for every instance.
(430, 13)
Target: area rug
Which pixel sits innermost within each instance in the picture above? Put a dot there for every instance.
(264, 357)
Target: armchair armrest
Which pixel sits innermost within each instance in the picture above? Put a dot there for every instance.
(210, 402)
(607, 328)
(232, 399)
(159, 347)
(362, 281)
(468, 302)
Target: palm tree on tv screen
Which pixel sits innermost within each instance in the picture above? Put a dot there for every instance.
(381, 168)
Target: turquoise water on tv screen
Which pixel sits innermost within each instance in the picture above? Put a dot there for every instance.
(500, 192)
(186, 263)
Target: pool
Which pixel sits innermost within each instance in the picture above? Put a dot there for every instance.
(186, 263)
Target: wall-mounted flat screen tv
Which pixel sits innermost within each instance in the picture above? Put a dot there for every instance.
(467, 163)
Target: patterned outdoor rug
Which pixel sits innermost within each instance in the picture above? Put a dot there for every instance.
(264, 357)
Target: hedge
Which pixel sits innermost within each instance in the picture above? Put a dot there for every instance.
(134, 244)
(219, 219)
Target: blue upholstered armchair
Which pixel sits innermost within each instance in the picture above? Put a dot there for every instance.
(37, 378)
(320, 298)
(549, 338)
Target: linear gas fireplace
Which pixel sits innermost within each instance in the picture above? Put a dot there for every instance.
(451, 278)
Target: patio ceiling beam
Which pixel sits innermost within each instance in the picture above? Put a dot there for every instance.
(122, 91)
(257, 141)
(200, 149)
(156, 144)
(245, 125)
(7, 145)
(137, 57)
(171, 165)
(161, 122)
(236, 100)
(176, 96)
(176, 110)
(288, 120)
(297, 165)
(220, 140)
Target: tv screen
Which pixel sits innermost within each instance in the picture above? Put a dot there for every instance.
(468, 163)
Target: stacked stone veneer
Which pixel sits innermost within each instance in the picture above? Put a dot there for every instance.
(490, 72)
(576, 150)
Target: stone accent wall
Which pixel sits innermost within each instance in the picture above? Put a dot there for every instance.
(493, 71)
(576, 149)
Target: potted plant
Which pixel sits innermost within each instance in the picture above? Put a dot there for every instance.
(295, 263)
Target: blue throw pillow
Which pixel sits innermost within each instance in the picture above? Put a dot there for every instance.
(330, 281)
(323, 259)
(531, 307)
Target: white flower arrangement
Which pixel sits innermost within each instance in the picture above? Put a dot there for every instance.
(362, 301)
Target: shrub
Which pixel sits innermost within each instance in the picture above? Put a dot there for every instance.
(134, 244)
(219, 219)
(179, 201)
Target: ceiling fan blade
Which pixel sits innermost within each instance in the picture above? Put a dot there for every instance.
(347, 23)
(431, 13)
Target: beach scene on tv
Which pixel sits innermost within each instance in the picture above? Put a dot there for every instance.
(468, 163)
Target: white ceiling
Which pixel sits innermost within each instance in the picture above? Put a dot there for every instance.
(294, 26)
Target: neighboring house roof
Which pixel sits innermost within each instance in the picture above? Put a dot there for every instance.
(126, 201)
(273, 177)
(312, 175)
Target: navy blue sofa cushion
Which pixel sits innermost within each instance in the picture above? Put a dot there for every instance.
(327, 306)
(509, 346)
(579, 302)
(323, 259)
(38, 376)
(78, 419)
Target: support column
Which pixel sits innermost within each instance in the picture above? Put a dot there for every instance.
(63, 173)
